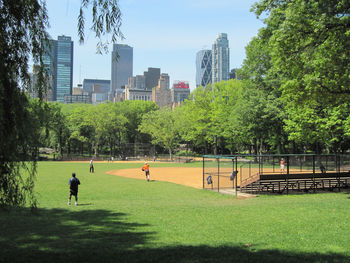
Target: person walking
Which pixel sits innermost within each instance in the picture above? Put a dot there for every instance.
(73, 188)
(91, 166)
(145, 168)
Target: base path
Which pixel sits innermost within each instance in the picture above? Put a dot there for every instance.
(192, 177)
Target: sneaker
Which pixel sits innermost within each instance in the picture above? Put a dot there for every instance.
(76, 203)
(68, 203)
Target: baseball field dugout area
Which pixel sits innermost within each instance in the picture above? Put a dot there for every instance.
(283, 173)
(293, 172)
(220, 172)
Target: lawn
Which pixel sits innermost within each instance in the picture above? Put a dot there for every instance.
(129, 220)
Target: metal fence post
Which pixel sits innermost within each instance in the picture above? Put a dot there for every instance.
(313, 172)
(203, 172)
(236, 178)
(218, 160)
(287, 175)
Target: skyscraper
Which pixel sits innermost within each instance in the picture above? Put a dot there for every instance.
(58, 60)
(220, 59)
(203, 68)
(122, 69)
(64, 70)
(152, 76)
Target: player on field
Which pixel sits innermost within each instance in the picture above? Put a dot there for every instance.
(73, 188)
(145, 168)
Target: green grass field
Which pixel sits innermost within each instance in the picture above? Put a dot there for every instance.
(129, 220)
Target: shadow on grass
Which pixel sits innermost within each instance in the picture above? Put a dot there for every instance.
(59, 235)
(55, 235)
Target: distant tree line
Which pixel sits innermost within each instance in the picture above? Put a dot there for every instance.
(86, 129)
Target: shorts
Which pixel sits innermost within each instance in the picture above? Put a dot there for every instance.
(147, 172)
(73, 192)
(282, 167)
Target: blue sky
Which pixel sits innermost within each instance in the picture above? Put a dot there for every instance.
(164, 34)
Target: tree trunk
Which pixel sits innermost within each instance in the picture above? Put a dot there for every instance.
(170, 154)
(261, 147)
(215, 145)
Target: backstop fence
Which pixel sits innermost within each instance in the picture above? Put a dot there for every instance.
(220, 172)
(251, 168)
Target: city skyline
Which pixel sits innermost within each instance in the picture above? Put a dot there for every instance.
(160, 38)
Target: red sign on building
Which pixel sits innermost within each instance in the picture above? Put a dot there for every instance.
(181, 85)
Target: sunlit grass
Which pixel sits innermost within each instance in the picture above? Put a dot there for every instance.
(132, 220)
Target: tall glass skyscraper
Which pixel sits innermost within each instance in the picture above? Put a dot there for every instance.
(203, 68)
(220, 59)
(58, 60)
(64, 73)
(122, 68)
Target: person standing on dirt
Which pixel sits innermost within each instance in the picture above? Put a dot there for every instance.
(73, 188)
(145, 168)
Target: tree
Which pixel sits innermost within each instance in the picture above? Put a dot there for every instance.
(309, 47)
(22, 30)
(260, 119)
(134, 111)
(195, 120)
(106, 20)
(228, 104)
(161, 126)
(110, 125)
(23, 35)
(81, 125)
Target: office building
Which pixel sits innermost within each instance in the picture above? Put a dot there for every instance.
(137, 83)
(47, 94)
(136, 94)
(203, 68)
(180, 92)
(98, 89)
(220, 58)
(58, 60)
(102, 84)
(69, 99)
(77, 90)
(122, 69)
(64, 72)
(152, 76)
(161, 94)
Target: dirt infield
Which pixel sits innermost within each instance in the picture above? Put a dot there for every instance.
(192, 177)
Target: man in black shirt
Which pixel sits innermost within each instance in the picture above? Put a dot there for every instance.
(73, 188)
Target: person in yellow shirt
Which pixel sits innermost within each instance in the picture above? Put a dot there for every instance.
(145, 168)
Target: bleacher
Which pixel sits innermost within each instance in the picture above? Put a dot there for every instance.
(301, 182)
